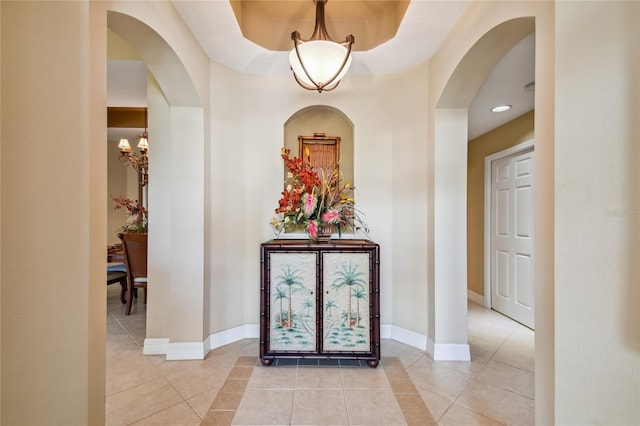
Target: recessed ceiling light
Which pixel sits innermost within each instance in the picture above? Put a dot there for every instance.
(501, 108)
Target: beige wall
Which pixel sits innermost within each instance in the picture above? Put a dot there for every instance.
(510, 134)
(53, 260)
(251, 196)
(226, 257)
(597, 213)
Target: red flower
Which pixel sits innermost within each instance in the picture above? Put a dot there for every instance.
(310, 202)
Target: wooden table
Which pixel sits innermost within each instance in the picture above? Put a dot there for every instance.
(115, 254)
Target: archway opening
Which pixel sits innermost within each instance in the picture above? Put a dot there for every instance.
(448, 336)
(177, 160)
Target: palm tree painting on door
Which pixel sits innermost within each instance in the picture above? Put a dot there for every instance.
(293, 300)
(346, 286)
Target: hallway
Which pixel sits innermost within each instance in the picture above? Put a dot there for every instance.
(231, 387)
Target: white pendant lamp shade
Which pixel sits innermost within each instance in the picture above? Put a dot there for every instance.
(322, 60)
(320, 63)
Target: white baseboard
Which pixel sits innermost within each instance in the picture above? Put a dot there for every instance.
(476, 298)
(198, 350)
(448, 351)
(176, 351)
(405, 336)
(155, 346)
(188, 350)
(246, 331)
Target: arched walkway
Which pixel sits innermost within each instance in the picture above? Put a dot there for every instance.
(175, 325)
(449, 304)
(453, 85)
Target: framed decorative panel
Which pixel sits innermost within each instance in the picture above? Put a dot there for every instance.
(293, 301)
(346, 284)
(324, 152)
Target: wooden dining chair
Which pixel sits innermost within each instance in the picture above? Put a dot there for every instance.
(135, 258)
(117, 273)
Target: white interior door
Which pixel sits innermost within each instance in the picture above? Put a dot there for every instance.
(512, 236)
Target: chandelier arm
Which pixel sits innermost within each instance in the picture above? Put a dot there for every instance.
(306, 86)
(139, 163)
(324, 88)
(320, 29)
(344, 61)
(304, 68)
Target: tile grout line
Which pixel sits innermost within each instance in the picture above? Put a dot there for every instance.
(344, 397)
(473, 377)
(125, 329)
(155, 367)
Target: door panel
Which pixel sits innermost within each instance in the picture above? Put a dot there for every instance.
(523, 296)
(524, 209)
(512, 236)
(292, 296)
(502, 274)
(502, 213)
(346, 283)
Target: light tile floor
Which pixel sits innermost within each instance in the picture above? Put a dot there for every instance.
(230, 386)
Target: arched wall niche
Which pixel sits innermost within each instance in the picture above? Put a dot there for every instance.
(323, 119)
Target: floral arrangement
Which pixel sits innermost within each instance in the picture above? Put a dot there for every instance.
(319, 205)
(138, 216)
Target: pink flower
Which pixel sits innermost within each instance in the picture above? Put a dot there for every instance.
(331, 216)
(312, 229)
(309, 202)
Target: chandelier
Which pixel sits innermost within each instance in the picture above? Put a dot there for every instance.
(319, 63)
(140, 162)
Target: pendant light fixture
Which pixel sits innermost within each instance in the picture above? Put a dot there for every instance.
(319, 63)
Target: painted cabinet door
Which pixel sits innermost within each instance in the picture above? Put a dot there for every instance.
(293, 301)
(346, 289)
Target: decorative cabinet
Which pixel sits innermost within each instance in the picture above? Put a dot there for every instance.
(320, 301)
